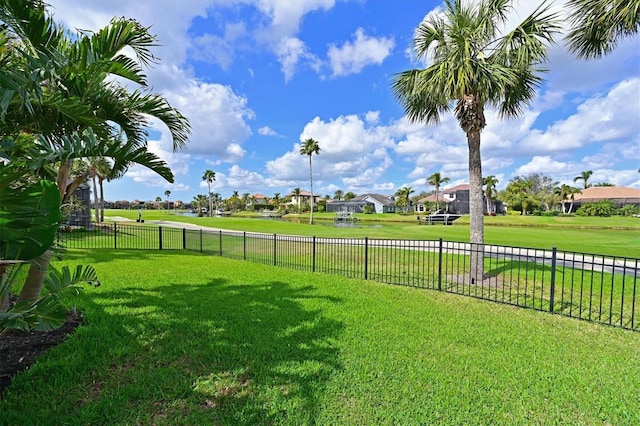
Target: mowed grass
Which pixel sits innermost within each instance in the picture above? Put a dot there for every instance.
(173, 338)
(614, 236)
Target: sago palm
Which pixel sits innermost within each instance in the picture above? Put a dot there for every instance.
(472, 66)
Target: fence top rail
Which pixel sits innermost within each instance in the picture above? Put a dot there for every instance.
(455, 245)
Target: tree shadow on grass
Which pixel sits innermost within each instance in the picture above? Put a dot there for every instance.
(216, 353)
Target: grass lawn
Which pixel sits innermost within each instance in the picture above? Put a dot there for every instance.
(615, 236)
(173, 338)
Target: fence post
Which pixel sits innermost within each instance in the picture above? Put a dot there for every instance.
(275, 239)
(366, 258)
(220, 234)
(200, 240)
(440, 264)
(184, 238)
(313, 259)
(554, 252)
(159, 237)
(115, 236)
(244, 246)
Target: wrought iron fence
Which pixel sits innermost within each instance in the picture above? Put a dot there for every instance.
(591, 287)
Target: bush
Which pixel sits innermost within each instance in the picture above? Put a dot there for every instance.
(513, 213)
(604, 208)
(629, 210)
(368, 209)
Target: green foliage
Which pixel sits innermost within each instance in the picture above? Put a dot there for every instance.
(629, 210)
(369, 209)
(29, 218)
(602, 208)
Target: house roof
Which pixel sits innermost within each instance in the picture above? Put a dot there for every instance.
(259, 196)
(303, 193)
(432, 199)
(461, 187)
(598, 193)
(382, 199)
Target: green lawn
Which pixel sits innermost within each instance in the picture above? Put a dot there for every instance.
(174, 338)
(615, 236)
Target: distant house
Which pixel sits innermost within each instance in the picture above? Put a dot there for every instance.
(260, 202)
(619, 195)
(305, 197)
(378, 202)
(456, 200)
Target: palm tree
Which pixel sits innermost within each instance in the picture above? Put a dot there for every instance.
(472, 66)
(200, 201)
(598, 25)
(338, 194)
(437, 180)
(158, 202)
(276, 199)
(402, 197)
(310, 147)
(209, 176)
(489, 183)
(73, 102)
(584, 177)
(167, 193)
(566, 192)
(296, 192)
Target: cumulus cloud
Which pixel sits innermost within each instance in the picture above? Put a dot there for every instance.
(353, 56)
(267, 131)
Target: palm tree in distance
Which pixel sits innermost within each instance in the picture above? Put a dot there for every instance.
(310, 147)
(598, 25)
(584, 177)
(209, 176)
(338, 194)
(166, 194)
(402, 197)
(489, 183)
(473, 66)
(437, 180)
(296, 193)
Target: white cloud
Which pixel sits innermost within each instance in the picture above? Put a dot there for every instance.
(352, 57)
(267, 131)
(291, 51)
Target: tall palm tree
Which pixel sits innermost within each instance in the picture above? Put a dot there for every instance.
(209, 176)
(598, 25)
(489, 183)
(310, 147)
(73, 102)
(437, 180)
(566, 192)
(473, 66)
(276, 199)
(584, 177)
(338, 194)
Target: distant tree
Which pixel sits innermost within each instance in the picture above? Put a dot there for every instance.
(158, 201)
(209, 176)
(296, 192)
(402, 197)
(310, 147)
(338, 195)
(167, 193)
(276, 199)
(601, 184)
(566, 192)
(199, 202)
(598, 25)
(489, 183)
(349, 196)
(584, 177)
(437, 180)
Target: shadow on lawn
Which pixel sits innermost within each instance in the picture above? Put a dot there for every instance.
(217, 352)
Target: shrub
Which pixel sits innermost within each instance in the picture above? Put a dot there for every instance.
(602, 208)
(368, 209)
(513, 213)
(628, 210)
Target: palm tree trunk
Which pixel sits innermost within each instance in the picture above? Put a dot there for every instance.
(311, 185)
(96, 206)
(476, 208)
(34, 282)
(437, 191)
(100, 181)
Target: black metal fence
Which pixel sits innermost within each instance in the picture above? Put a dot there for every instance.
(591, 287)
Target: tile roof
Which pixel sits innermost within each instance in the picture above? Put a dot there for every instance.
(461, 187)
(607, 193)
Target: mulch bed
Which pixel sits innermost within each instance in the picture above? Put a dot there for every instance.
(19, 350)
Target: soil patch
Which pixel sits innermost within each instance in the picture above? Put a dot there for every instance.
(19, 350)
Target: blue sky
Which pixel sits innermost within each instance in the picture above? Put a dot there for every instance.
(256, 77)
